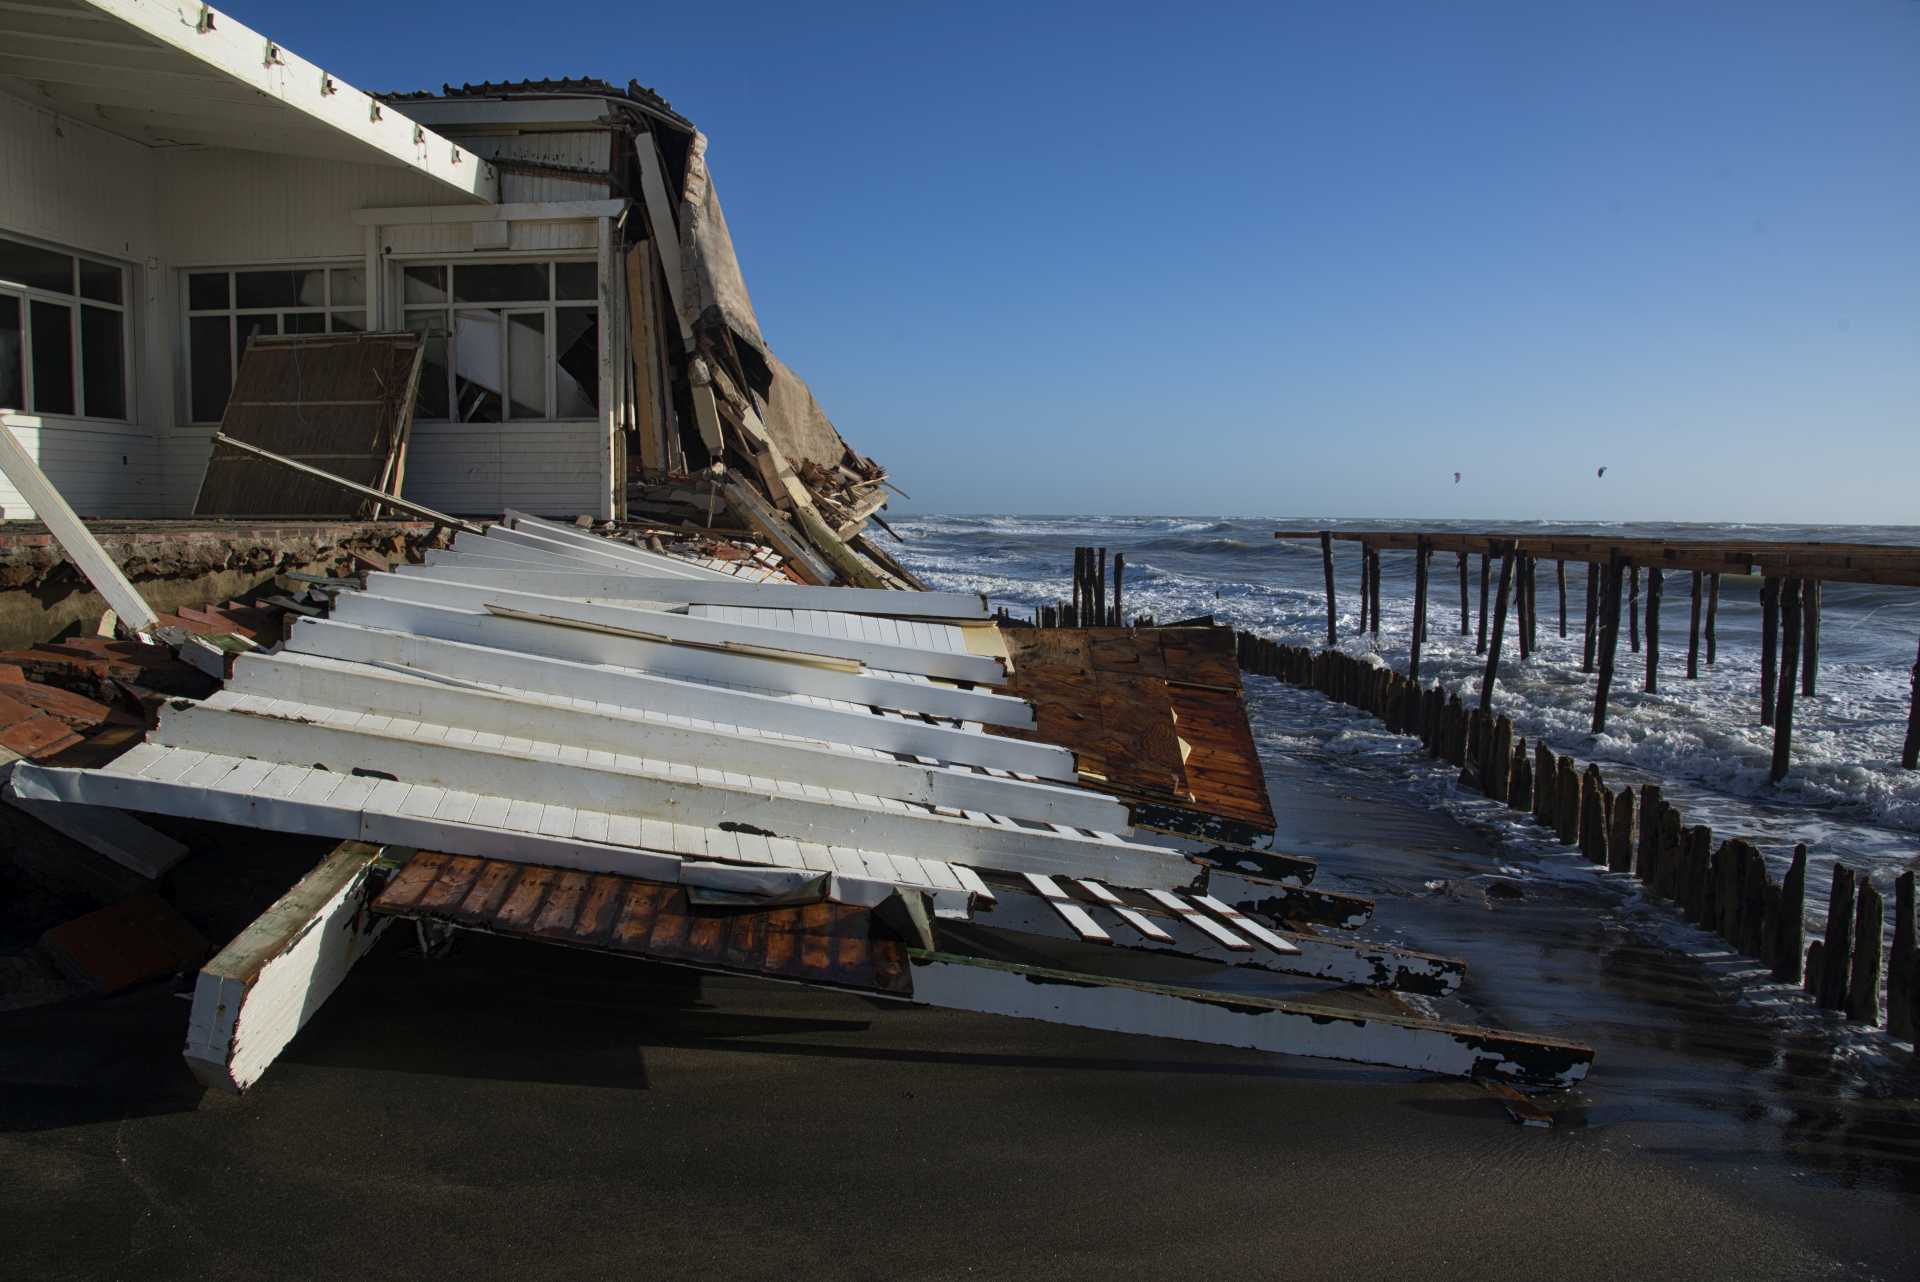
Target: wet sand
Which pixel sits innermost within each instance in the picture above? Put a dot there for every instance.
(512, 1110)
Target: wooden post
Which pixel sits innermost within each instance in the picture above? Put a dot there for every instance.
(1500, 627)
(1910, 752)
(1560, 582)
(1693, 632)
(1609, 642)
(1900, 966)
(1810, 637)
(1494, 777)
(1100, 590)
(1769, 645)
(1863, 985)
(1593, 607)
(1466, 625)
(1649, 853)
(1620, 832)
(1520, 607)
(1543, 768)
(1533, 603)
(1790, 922)
(1836, 950)
(1119, 573)
(1713, 613)
(1326, 560)
(1480, 644)
(1789, 679)
(1373, 586)
(1594, 799)
(1568, 801)
(1420, 551)
(1366, 570)
(1654, 588)
(1633, 612)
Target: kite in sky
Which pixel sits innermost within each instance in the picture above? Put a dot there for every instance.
(1601, 472)
(1456, 478)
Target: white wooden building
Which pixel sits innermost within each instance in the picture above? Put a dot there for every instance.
(172, 181)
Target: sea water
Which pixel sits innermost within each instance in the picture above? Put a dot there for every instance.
(1845, 796)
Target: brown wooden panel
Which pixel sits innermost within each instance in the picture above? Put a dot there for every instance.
(523, 902)
(342, 403)
(489, 891)
(412, 881)
(557, 915)
(455, 880)
(599, 910)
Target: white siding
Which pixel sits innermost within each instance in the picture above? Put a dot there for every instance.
(575, 149)
(548, 469)
(71, 185)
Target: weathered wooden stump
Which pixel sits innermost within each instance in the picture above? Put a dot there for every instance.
(1836, 948)
(1863, 984)
(1647, 865)
(1520, 782)
(1593, 816)
(1543, 772)
(1790, 923)
(1672, 854)
(1493, 779)
(1621, 832)
(1698, 902)
(1566, 801)
(1901, 964)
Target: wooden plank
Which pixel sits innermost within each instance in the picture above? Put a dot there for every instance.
(258, 991)
(1071, 913)
(666, 233)
(1198, 920)
(71, 533)
(391, 500)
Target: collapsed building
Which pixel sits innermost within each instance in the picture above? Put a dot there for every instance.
(711, 722)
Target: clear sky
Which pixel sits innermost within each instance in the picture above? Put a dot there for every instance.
(1297, 258)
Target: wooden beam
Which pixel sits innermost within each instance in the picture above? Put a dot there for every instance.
(548, 211)
(638, 586)
(365, 491)
(71, 533)
(754, 510)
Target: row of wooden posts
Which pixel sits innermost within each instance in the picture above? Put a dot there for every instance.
(1789, 614)
(1090, 606)
(1727, 889)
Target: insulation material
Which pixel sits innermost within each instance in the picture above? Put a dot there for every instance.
(709, 268)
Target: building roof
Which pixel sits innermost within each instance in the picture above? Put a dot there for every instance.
(564, 86)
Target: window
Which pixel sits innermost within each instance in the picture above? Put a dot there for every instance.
(63, 332)
(226, 308)
(505, 341)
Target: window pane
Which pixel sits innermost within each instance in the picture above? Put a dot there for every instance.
(500, 283)
(424, 285)
(349, 285)
(103, 361)
(210, 358)
(576, 347)
(100, 281)
(478, 339)
(349, 322)
(251, 325)
(206, 290)
(35, 267)
(431, 401)
(304, 323)
(52, 358)
(299, 288)
(13, 375)
(527, 363)
(576, 280)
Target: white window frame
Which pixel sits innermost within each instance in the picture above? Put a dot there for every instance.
(233, 312)
(549, 306)
(73, 301)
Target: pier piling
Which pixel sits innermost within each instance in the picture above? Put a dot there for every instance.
(1769, 645)
(1693, 631)
(1466, 626)
(1836, 948)
(1910, 751)
(1810, 637)
(1609, 642)
(1373, 587)
(1633, 610)
(1119, 573)
(1713, 613)
(1480, 645)
(1621, 832)
(1593, 607)
(1901, 963)
(1790, 923)
(1560, 581)
(1655, 582)
(1500, 627)
(1326, 559)
(1419, 608)
(1863, 984)
(1789, 678)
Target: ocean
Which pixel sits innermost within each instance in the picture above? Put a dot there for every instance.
(1846, 796)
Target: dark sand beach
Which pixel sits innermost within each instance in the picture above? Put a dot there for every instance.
(512, 1110)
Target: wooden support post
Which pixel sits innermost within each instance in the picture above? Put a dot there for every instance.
(1520, 780)
(1646, 865)
(1326, 561)
(1466, 623)
(1499, 628)
(1789, 923)
(1836, 951)
(1079, 576)
(1533, 603)
(1495, 776)
(1100, 589)
(1521, 632)
(1910, 751)
(1693, 631)
(1593, 816)
(1609, 642)
(1543, 768)
(1863, 984)
(1789, 679)
(1560, 582)
(1593, 609)
(1655, 585)
(1902, 963)
(1373, 587)
(1420, 559)
(1480, 644)
(1568, 802)
(1366, 571)
(1713, 614)
(1769, 646)
(1810, 637)
(1633, 612)
(1119, 573)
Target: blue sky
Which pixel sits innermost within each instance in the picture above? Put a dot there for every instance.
(1298, 258)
